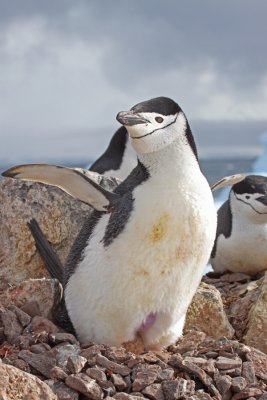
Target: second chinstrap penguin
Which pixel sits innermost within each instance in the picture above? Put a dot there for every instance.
(137, 262)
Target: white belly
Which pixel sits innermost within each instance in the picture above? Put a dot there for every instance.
(153, 266)
(244, 251)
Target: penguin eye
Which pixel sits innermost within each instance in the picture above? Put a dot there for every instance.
(247, 197)
(159, 119)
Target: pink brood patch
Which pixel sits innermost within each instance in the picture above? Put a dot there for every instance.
(148, 322)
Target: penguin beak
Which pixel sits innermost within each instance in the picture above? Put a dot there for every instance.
(262, 199)
(129, 118)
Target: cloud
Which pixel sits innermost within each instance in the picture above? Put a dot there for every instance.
(68, 67)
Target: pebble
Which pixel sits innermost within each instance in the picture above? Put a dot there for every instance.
(59, 337)
(154, 392)
(119, 382)
(208, 369)
(85, 385)
(238, 383)
(58, 374)
(228, 363)
(63, 351)
(96, 373)
(76, 363)
(112, 366)
(144, 375)
(248, 372)
(11, 325)
(41, 325)
(23, 318)
(246, 393)
(40, 362)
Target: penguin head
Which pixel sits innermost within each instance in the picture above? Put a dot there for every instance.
(249, 198)
(156, 123)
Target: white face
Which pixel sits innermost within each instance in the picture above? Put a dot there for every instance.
(249, 207)
(159, 131)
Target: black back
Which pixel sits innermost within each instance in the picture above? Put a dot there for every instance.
(112, 158)
(224, 225)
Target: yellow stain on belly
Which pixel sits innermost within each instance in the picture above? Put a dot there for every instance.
(160, 228)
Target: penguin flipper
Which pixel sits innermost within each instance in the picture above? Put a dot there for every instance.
(227, 181)
(78, 183)
(47, 253)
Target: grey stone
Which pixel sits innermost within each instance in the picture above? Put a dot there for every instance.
(76, 363)
(85, 385)
(228, 363)
(154, 392)
(40, 362)
(96, 373)
(12, 327)
(119, 382)
(238, 383)
(115, 367)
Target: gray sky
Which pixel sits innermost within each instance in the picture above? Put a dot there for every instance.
(67, 68)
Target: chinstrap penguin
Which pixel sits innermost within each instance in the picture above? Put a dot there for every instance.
(241, 238)
(136, 263)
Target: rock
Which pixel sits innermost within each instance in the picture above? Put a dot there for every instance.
(144, 375)
(111, 365)
(85, 385)
(11, 325)
(259, 360)
(206, 313)
(40, 348)
(248, 373)
(239, 310)
(62, 391)
(58, 374)
(76, 363)
(154, 392)
(96, 373)
(62, 352)
(107, 387)
(41, 326)
(175, 389)
(207, 365)
(223, 383)
(177, 361)
(257, 320)
(60, 337)
(238, 383)
(188, 342)
(119, 382)
(228, 363)
(22, 201)
(117, 354)
(34, 296)
(246, 393)
(23, 318)
(16, 384)
(165, 374)
(91, 352)
(40, 362)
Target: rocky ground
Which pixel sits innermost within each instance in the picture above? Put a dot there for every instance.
(199, 366)
(222, 355)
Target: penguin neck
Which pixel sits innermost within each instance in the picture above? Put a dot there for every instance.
(177, 158)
